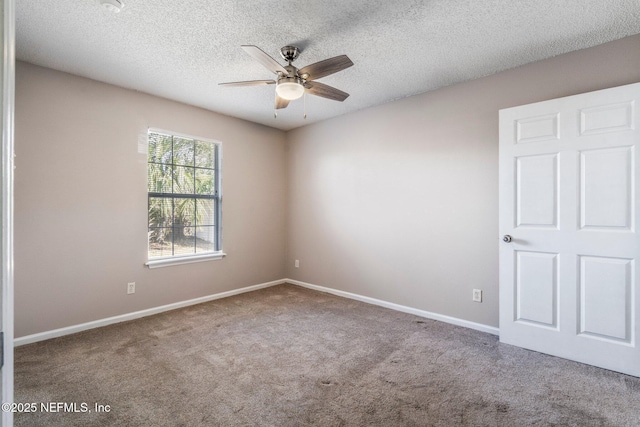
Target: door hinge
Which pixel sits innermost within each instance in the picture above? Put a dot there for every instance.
(1, 349)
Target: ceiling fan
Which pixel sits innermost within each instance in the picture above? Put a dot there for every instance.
(291, 82)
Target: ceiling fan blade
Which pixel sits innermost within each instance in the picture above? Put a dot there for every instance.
(268, 62)
(325, 91)
(281, 103)
(326, 67)
(249, 83)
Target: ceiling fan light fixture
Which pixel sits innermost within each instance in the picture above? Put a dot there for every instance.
(290, 88)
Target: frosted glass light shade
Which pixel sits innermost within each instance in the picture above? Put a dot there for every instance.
(289, 90)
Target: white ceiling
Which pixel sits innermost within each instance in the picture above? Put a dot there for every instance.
(182, 49)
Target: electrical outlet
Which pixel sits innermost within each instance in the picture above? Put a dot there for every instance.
(131, 288)
(477, 295)
(297, 263)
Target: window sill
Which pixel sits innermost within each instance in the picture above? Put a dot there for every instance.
(166, 262)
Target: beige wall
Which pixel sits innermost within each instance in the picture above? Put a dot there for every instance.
(81, 208)
(400, 202)
(397, 202)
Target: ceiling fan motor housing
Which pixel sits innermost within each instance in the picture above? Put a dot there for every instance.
(291, 71)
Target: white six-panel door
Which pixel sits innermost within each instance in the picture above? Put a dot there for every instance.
(569, 204)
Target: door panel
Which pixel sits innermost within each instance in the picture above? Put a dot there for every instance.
(606, 118)
(536, 129)
(568, 194)
(536, 184)
(536, 288)
(605, 295)
(605, 188)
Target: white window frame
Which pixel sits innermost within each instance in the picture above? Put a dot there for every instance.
(169, 260)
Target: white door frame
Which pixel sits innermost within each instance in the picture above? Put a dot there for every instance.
(8, 90)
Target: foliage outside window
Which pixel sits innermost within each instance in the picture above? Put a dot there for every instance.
(183, 195)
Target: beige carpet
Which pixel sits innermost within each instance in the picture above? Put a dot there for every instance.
(288, 356)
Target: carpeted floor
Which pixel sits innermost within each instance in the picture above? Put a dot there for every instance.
(289, 356)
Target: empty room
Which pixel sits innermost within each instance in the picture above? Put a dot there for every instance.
(337, 213)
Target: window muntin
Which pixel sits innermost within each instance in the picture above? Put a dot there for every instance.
(183, 177)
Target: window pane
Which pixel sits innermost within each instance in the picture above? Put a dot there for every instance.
(183, 180)
(205, 239)
(184, 212)
(160, 242)
(160, 148)
(205, 154)
(160, 212)
(183, 150)
(205, 213)
(205, 181)
(184, 240)
(159, 178)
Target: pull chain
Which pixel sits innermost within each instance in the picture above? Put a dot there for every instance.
(305, 104)
(275, 105)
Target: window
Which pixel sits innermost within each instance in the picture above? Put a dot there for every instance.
(183, 176)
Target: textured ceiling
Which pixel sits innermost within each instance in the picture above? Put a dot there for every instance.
(182, 49)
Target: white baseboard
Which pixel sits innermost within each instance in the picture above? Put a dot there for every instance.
(28, 339)
(422, 313)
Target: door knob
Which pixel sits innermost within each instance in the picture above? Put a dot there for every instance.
(507, 238)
